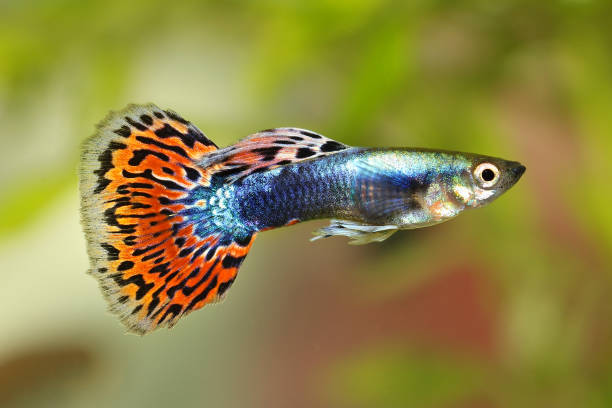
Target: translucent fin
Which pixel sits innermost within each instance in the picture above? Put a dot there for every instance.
(358, 233)
(268, 149)
(154, 245)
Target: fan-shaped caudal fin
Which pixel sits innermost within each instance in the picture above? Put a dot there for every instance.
(152, 244)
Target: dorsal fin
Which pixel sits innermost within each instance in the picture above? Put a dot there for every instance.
(268, 149)
(149, 215)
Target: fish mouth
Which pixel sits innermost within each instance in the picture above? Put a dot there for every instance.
(511, 172)
(514, 171)
(518, 171)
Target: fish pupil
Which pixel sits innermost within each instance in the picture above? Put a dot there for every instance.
(487, 175)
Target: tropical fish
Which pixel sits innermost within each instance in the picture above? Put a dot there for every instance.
(169, 217)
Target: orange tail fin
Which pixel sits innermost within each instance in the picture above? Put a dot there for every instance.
(152, 248)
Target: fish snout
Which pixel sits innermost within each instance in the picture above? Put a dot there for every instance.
(518, 171)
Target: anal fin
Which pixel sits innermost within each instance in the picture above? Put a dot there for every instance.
(358, 233)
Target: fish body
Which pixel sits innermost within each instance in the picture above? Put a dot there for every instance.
(398, 188)
(169, 217)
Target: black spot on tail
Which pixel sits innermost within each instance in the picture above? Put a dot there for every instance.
(148, 174)
(106, 163)
(193, 135)
(162, 269)
(188, 290)
(123, 131)
(143, 286)
(137, 125)
(182, 284)
(175, 149)
(153, 255)
(112, 252)
(139, 155)
(125, 266)
(146, 119)
(224, 286)
(142, 251)
(167, 131)
(199, 252)
(192, 174)
(186, 251)
(164, 200)
(244, 241)
(152, 305)
(174, 309)
(203, 295)
(175, 116)
(141, 194)
(232, 262)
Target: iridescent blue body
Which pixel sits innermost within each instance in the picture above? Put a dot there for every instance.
(318, 188)
(407, 188)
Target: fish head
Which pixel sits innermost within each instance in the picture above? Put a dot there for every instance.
(485, 179)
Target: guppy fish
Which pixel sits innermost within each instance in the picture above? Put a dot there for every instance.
(169, 217)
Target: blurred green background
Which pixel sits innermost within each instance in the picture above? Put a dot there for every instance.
(507, 306)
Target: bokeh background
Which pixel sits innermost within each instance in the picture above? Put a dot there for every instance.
(507, 306)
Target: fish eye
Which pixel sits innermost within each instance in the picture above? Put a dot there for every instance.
(487, 174)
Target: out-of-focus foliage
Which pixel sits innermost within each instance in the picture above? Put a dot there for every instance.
(423, 380)
(505, 306)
